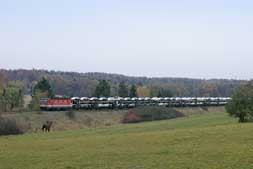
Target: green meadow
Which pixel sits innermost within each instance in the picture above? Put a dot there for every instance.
(204, 141)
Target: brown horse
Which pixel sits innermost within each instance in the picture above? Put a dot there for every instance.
(47, 126)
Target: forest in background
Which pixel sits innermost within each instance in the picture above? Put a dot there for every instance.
(85, 84)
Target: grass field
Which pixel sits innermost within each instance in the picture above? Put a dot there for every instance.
(206, 141)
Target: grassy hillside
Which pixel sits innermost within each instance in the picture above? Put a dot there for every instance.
(210, 141)
(32, 121)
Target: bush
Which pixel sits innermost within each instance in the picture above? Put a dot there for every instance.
(150, 113)
(131, 117)
(9, 126)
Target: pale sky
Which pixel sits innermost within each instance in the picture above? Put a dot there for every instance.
(155, 38)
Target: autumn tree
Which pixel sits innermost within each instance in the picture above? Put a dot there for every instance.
(14, 93)
(143, 91)
(11, 96)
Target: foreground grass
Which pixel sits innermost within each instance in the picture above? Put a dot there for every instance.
(209, 141)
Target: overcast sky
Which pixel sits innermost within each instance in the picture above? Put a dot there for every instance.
(172, 38)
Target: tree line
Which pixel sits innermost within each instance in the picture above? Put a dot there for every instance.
(85, 84)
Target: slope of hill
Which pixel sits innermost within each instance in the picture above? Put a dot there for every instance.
(30, 122)
(84, 84)
(209, 141)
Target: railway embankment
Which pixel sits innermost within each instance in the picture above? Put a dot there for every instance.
(31, 122)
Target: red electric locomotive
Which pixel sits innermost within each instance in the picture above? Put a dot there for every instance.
(55, 104)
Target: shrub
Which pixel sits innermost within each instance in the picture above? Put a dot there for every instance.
(131, 117)
(150, 113)
(8, 126)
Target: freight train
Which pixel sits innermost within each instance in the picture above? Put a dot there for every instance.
(78, 103)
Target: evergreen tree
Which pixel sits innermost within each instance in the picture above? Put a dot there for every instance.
(133, 92)
(103, 89)
(164, 93)
(159, 94)
(41, 90)
(123, 90)
(43, 86)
